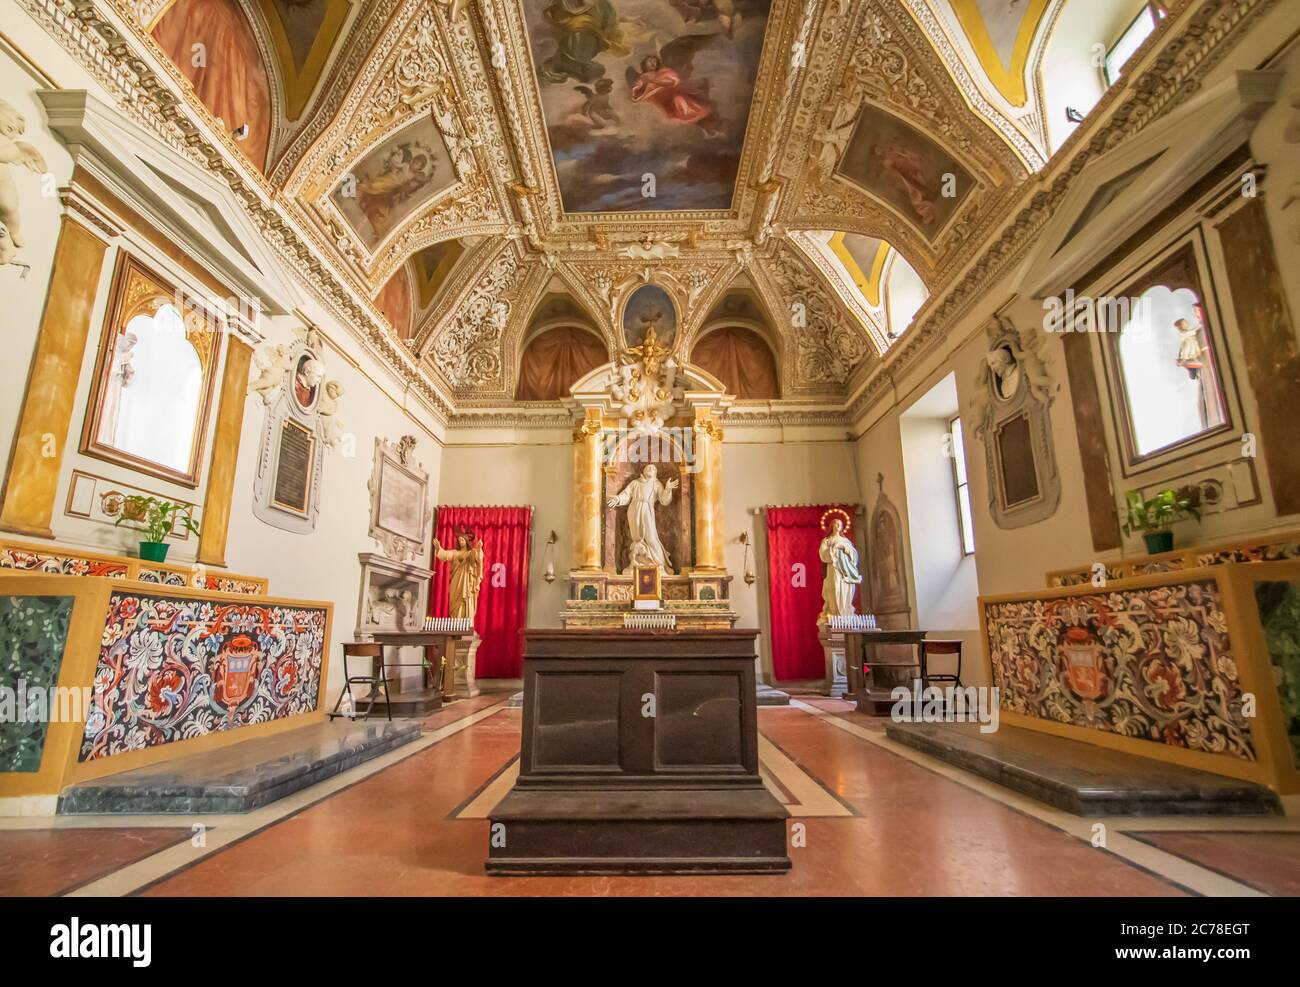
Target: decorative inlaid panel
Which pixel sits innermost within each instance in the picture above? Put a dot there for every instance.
(173, 668)
(65, 562)
(59, 564)
(33, 633)
(1279, 549)
(1152, 663)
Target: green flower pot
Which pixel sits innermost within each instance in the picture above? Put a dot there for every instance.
(1159, 541)
(154, 551)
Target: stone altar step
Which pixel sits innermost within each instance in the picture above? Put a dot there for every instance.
(1082, 778)
(241, 777)
(594, 831)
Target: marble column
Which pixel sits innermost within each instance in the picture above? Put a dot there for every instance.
(43, 428)
(708, 492)
(587, 507)
(225, 453)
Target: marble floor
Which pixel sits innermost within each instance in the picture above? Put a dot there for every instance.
(868, 817)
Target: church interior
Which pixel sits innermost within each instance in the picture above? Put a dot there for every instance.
(650, 447)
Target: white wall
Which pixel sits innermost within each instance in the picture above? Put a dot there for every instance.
(758, 474)
(946, 581)
(540, 476)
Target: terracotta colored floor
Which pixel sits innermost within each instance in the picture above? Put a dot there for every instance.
(37, 862)
(1269, 862)
(913, 833)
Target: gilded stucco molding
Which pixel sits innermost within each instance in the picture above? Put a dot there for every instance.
(1198, 43)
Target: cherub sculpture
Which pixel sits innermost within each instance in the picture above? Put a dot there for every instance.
(13, 152)
(272, 364)
(328, 411)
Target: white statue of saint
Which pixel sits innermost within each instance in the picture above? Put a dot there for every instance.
(639, 498)
(842, 575)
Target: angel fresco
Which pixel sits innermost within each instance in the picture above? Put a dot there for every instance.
(694, 11)
(595, 108)
(586, 28)
(665, 82)
(408, 168)
(630, 87)
(909, 171)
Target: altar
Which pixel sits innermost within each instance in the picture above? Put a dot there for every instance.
(648, 492)
(639, 755)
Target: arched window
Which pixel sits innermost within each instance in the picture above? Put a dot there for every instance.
(154, 378)
(1170, 370)
(1090, 44)
(556, 360)
(742, 360)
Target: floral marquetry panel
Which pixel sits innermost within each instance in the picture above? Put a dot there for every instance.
(33, 633)
(173, 669)
(1152, 663)
(61, 565)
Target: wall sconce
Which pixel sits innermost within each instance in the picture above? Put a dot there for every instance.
(548, 554)
(749, 565)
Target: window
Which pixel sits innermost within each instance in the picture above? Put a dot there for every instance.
(1143, 26)
(154, 377)
(1164, 355)
(962, 483)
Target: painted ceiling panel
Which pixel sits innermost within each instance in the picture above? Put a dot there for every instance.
(659, 88)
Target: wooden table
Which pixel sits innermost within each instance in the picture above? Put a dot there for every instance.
(639, 756)
(862, 689)
(447, 641)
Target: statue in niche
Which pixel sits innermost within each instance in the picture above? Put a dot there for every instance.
(888, 565)
(466, 561)
(14, 152)
(639, 497)
(842, 575)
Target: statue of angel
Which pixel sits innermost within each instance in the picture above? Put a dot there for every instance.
(272, 364)
(328, 409)
(13, 152)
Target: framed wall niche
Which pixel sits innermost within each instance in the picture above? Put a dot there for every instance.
(155, 372)
(1166, 364)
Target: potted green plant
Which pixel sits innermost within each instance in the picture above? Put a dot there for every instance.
(157, 518)
(1156, 517)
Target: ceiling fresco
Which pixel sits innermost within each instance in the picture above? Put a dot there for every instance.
(897, 163)
(646, 101)
(393, 180)
(497, 153)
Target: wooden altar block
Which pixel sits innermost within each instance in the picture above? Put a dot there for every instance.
(639, 756)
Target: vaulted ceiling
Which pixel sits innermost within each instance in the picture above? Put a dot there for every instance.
(461, 161)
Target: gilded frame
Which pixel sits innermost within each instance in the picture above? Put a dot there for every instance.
(129, 296)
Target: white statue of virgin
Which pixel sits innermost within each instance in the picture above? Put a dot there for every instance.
(842, 575)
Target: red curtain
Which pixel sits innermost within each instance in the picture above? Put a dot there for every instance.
(794, 580)
(503, 599)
